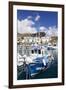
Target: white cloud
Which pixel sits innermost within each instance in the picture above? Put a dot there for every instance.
(51, 31)
(29, 17)
(26, 26)
(43, 29)
(37, 18)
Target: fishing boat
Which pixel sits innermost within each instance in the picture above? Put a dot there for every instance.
(38, 60)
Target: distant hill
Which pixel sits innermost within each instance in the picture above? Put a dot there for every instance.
(38, 34)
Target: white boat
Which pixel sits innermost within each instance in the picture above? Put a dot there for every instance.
(37, 61)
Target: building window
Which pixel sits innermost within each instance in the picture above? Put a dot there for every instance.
(32, 51)
(39, 51)
(35, 50)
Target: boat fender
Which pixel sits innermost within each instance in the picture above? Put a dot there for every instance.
(44, 62)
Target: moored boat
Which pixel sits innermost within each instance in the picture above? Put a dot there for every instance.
(38, 60)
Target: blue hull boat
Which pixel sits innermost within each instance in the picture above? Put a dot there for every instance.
(37, 64)
(32, 69)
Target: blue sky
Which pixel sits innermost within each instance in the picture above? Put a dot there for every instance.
(45, 19)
